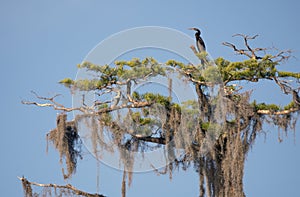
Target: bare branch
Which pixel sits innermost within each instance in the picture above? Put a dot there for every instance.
(284, 86)
(239, 51)
(282, 55)
(260, 49)
(230, 45)
(68, 187)
(60, 108)
(246, 38)
(252, 52)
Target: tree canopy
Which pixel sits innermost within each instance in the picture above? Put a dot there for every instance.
(211, 133)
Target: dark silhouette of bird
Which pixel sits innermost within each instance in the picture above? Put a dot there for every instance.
(199, 41)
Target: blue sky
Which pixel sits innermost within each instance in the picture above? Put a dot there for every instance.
(43, 41)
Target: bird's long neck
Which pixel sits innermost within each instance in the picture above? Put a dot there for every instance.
(197, 35)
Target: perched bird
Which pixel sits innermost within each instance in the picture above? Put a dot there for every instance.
(199, 41)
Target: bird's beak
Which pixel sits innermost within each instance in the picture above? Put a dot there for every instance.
(191, 28)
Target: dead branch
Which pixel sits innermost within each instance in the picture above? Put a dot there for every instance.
(65, 109)
(282, 55)
(68, 187)
(52, 103)
(85, 109)
(246, 38)
(239, 51)
(284, 85)
(249, 52)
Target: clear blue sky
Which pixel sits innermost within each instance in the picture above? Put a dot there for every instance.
(42, 41)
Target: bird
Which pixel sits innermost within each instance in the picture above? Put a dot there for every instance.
(199, 41)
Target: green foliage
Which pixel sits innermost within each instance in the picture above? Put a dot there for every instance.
(205, 125)
(67, 82)
(251, 69)
(221, 62)
(110, 75)
(290, 106)
(94, 84)
(193, 71)
(152, 98)
(174, 63)
(211, 74)
(177, 107)
(157, 98)
(288, 74)
(102, 106)
(106, 70)
(138, 69)
(202, 56)
(264, 106)
(136, 96)
(106, 118)
(137, 118)
(272, 107)
(135, 69)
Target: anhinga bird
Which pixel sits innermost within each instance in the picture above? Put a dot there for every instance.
(199, 41)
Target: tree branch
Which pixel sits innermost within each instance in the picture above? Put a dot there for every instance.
(281, 112)
(85, 109)
(157, 140)
(68, 187)
(246, 38)
(282, 55)
(52, 103)
(60, 108)
(252, 52)
(239, 51)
